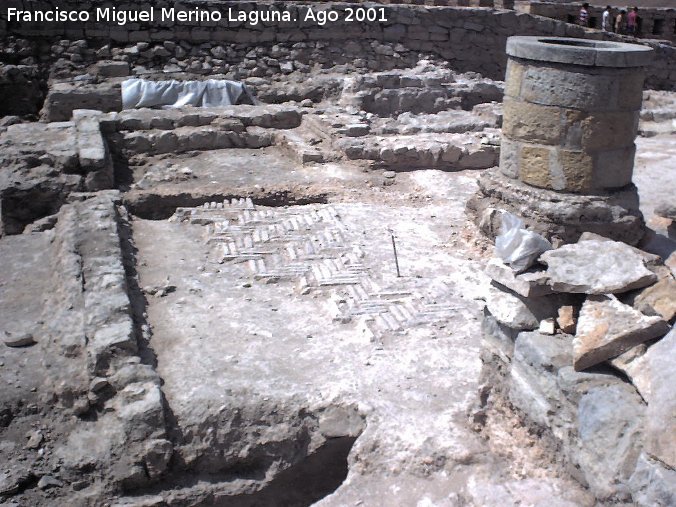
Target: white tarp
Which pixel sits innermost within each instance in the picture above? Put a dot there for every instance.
(211, 93)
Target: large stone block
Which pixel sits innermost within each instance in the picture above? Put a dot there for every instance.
(613, 169)
(630, 93)
(509, 157)
(609, 130)
(570, 87)
(577, 170)
(531, 122)
(608, 439)
(513, 78)
(534, 166)
(517, 312)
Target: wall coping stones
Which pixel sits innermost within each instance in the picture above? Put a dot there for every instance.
(579, 51)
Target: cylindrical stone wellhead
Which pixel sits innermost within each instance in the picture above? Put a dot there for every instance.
(571, 112)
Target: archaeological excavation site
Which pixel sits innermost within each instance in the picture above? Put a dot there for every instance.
(378, 254)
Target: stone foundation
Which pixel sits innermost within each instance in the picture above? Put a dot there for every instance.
(558, 216)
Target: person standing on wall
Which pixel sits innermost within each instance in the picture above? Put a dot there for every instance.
(606, 20)
(620, 22)
(583, 16)
(632, 22)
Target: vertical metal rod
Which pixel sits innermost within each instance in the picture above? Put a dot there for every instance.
(394, 248)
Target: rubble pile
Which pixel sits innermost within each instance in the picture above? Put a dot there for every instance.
(581, 345)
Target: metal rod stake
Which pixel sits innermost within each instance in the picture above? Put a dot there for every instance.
(394, 248)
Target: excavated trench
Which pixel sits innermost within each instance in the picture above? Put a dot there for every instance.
(259, 452)
(161, 207)
(249, 484)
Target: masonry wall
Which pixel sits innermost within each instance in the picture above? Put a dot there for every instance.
(656, 23)
(472, 39)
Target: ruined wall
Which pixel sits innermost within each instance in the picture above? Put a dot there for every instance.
(471, 39)
(655, 22)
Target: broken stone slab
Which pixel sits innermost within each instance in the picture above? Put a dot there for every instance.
(608, 328)
(517, 312)
(531, 283)
(653, 484)
(533, 386)
(658, 299)
(596, 267)
(497, 339)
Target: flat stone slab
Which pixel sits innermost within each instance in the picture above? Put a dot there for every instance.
(596, 267)
(608, 328)
(528, 284)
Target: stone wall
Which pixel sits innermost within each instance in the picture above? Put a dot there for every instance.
(471, 39)
(584, 362)
(655, 23)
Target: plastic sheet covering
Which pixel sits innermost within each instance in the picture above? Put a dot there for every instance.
(517, 246)
(138, 93)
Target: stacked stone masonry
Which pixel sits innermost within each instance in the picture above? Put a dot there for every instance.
(655, 23)
(472, 38)
(570, 127)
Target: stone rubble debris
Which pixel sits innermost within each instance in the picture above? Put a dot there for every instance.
(596, 267)
(658, 299)
(530, 283)
(614, 425)
(607, 328)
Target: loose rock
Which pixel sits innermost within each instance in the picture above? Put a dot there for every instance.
(528, 284)
(596, 267)
(566, 319)
(22, 340)
(47, 481)
(607, 328)
(658, 299)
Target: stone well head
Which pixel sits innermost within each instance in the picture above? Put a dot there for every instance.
(571, 112)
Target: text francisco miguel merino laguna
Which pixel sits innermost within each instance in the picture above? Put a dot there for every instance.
(196, 14)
